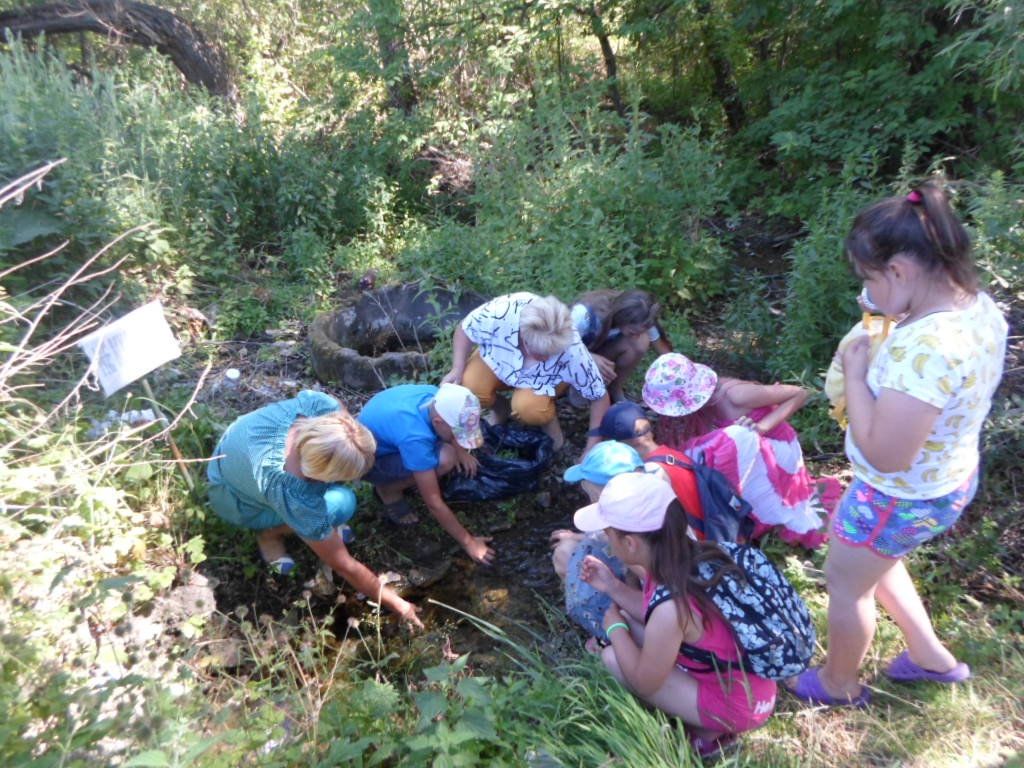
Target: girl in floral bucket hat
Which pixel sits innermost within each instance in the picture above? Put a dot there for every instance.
(740, 428)
(677, 386)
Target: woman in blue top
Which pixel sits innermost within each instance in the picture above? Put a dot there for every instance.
(279, 469)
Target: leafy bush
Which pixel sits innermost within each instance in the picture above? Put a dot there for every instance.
(561, 208)
(230, 198)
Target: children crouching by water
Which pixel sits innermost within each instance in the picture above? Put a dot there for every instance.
(651, 629)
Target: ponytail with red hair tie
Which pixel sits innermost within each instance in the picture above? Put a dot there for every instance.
(915, 197)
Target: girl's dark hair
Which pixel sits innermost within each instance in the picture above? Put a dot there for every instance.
(922, 224)
(675, 557)
(634, 307)
(676, 431)
(615, 309)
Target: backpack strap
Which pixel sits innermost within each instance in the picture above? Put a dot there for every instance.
(710, 659)
(661, 595)
(684, 483)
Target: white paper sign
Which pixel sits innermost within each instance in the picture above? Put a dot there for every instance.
(130, 347)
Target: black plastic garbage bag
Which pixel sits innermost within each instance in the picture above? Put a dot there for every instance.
(511, 462)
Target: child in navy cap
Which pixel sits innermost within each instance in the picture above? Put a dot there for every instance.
(620, 423)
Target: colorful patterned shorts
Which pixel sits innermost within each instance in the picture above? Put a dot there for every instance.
(892, 527)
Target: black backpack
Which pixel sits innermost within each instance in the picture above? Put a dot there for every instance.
(726, 513)
(770, 621)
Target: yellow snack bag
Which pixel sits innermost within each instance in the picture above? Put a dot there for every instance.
(878, 328)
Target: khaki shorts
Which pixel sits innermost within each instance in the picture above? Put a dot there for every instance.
(527, 406)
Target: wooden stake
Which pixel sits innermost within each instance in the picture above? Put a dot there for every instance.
(178, 458)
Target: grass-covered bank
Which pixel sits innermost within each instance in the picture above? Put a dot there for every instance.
(137, 630)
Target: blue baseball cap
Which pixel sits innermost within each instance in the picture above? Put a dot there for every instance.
(619, 423)
(605, 461)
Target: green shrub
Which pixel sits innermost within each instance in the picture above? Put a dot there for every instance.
(561, 208)
(230, 199)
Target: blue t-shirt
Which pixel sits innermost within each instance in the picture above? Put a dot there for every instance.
(399, 417)
(249, 485)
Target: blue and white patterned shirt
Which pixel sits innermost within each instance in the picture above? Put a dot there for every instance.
(494, 327)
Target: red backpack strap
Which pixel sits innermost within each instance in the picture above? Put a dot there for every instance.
(684, 482)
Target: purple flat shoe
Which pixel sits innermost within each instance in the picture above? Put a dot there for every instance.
(903, 670)
(808, 688)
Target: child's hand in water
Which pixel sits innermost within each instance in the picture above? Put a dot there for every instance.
(597, 574)
(855, 358)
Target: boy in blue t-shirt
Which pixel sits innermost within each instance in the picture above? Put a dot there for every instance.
(422, 433)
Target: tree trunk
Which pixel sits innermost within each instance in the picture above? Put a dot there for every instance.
(611, 68)
(201, 62)
(725, 86)
(394, 56)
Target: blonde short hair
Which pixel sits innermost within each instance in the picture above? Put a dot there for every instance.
(334, 448)
(546, 327)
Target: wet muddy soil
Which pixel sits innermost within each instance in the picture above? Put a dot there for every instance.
(519, 593)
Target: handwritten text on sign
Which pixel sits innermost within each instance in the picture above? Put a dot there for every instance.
(130, 347)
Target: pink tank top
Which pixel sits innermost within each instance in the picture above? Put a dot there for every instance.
(718, 638)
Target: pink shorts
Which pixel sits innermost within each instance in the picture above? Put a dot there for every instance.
(733, 703)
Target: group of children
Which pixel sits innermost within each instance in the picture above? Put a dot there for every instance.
(642, 566)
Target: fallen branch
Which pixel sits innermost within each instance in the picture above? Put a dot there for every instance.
(199, 61)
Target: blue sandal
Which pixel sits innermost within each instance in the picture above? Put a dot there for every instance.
(281, 566)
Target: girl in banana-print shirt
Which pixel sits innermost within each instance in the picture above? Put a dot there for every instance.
(915, 413)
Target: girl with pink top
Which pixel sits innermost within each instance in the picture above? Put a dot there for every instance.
(740, 428)
(646, 528)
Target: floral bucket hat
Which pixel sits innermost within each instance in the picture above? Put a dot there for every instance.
(677, 386)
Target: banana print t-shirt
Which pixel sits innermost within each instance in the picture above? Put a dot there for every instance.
(953, 361)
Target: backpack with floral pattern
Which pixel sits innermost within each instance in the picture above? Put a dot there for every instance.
(771, 623)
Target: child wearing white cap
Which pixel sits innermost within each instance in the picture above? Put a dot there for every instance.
(423, 432)
(648, 628)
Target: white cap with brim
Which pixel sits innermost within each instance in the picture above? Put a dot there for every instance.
(635, 502)
(460, 410)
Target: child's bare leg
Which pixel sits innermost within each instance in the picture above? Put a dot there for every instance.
(897, 594)
(499, 411)
(676, 697)
(392, 492)
(271, 542)
(625, 352)
(563, 544)
(553, 429)
(853, 574)
(538, 411)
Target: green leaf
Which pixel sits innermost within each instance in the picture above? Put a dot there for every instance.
(139, 473)
(478, 723)
(473, 689)
(439, 674)
(152, 758)
(198, 749)
(430, 704)
(19, 226)
(347, 751)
